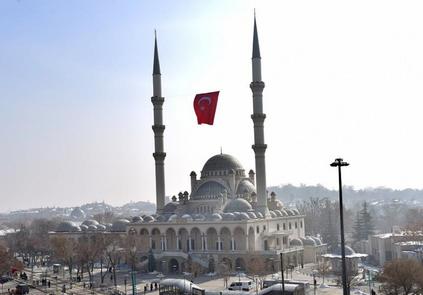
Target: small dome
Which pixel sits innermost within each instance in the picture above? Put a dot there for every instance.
(120, 225)
(296, 212)
(228, 216)
(186, 217)
(308, 241)
(83, 227)
(296, 242)
(242, 216)
(170, 208)
(245, 187)
(278, 213)
(77, 213)
(259, 215)
(272, 214)
(92, 227)
(348, 250)
(137, 219)
(252, 215)
(215, 217)
(221, 162)
(199, 217)
(284, 213)
(90, 222)
(67, 226)
(237, 205)
(162, 218)
(101, 227)
(317, 240)
(289, 211)
(149, 218)
(173, 218)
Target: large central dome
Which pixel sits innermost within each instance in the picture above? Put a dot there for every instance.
(221, 162)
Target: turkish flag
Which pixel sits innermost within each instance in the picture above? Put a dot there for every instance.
(205, 107)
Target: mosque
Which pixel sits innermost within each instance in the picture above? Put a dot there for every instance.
(227, 218)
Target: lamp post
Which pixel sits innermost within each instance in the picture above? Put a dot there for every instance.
(340, 163)
(125, 281)
(282, 277)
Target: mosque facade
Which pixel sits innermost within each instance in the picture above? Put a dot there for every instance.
(228, 217)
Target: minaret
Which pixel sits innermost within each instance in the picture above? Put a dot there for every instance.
(158, 128)
(258, 117)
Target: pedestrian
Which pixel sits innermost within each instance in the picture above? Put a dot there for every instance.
(48, 283)
(155, 286)
(145, 288)
(151, 286)
(111, 277)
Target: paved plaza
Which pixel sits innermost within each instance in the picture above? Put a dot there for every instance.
(146, 283)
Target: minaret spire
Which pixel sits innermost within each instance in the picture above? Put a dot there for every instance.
(156, 63)
(258, 118)
(158, 129)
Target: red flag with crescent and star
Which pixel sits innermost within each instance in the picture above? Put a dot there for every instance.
(205, 107)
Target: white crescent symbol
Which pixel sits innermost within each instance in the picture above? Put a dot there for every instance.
(206, 98)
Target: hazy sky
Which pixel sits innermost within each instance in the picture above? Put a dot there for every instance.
(342, 79)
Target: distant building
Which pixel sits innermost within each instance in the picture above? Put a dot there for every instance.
(399, 244)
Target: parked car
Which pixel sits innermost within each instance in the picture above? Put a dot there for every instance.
(5, 279)
(242, 286)
(22, 289)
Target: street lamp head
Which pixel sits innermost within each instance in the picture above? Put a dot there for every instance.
(339, 162)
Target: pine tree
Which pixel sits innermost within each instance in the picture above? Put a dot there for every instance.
(363, 225)
(368, 226)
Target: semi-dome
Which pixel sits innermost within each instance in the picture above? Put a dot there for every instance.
(237, 205)
(221, 162)
(296, 242)
(67, 226)
(245, 187)
(120, 225)
(209, 189)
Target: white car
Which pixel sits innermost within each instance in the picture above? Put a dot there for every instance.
(242, 286)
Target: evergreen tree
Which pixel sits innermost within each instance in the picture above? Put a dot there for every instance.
(363, 225)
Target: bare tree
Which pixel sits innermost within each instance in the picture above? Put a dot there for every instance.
(323, 268)
(402, 277)
(64, 250)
